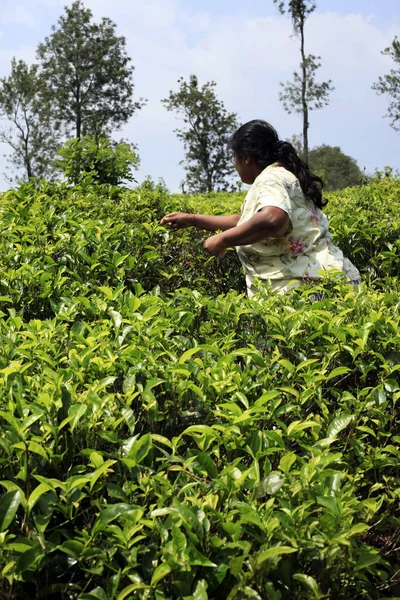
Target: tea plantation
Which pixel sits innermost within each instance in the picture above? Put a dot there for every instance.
(164, 437)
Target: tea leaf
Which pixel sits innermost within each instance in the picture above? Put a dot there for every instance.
(273, 552)
(161, 571)
(9, 504)
(338, 425)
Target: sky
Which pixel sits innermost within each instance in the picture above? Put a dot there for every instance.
(247, 48)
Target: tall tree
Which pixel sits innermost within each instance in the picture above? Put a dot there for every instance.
(303, 93)
(390, 84)
(209, 125)
(30, 132)
(88, 73)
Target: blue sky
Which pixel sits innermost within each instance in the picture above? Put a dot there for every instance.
(247, 48)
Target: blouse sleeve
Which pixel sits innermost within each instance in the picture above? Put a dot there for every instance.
(272, 192)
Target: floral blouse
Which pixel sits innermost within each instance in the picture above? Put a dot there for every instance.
(301, 255)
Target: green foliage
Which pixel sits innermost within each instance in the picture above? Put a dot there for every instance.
(159, 439)
(97, 160)
(30, 132)
(298, 10)
(295, 94)
(337, 170)
(303, 93)
(390, 84)
(87, 73)
(208, 161)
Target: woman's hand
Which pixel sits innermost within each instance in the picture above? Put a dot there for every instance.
(178, 220)
(215, 245)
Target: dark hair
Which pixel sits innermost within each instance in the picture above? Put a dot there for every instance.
(259, 140)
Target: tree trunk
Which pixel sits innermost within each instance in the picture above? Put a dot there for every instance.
(78, 113)
(27, 159)
(78, 125)
(304, 92)
(210, 187)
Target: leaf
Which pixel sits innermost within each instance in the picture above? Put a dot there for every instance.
(41, 489)
(270, 485)
(150, 312)
(287, 364)
(8, 507)
(306, 363)
(114, 512)
(357, 529)
(140, 448)
(97, 594)
(189, 353)
(28, 558)
(391, 385)
(37, 449)
(105, 468)
(201, 429)
(367, 559)
(266, 397)
(178, 541)
(161, 571)
(129, 417)
(75, 414)
(275, 551)
(309, 582)
(162, 440)
(338, 425)
(72, 547)
(287, 461)
(300, 426)
(96, 459)
(200, 593)
(336, 372)
(132, 588)
(198, 559)
(208, 464)
(116, 317)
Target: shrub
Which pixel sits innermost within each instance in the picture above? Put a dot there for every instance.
(97, 160)
(161, 439)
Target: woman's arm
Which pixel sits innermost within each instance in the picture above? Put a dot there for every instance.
(268, 222)
(180, 220)
(215, 222)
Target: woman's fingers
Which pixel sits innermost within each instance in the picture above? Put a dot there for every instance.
(175, 220)
(168, 218)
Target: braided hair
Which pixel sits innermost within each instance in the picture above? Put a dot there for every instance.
(260, 141)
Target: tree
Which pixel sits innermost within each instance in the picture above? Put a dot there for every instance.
(97, 160)
(337, 170)
(88, 73)
(303, 93)
(30, 132)
(209, 125)
(390, 84)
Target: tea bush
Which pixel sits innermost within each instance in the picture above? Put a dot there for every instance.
(163, 436)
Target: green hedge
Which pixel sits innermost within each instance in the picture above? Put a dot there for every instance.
(162, 436)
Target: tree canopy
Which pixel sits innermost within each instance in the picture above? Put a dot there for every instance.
(208, 127)
(390, 84)
(337, 170)
(30, 132)
(87, 73)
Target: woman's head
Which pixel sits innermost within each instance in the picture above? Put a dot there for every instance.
(255, 140)
(256, 145)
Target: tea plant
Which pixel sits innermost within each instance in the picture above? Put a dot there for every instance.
(163, 436)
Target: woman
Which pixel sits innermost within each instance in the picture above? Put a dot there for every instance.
(281, 235)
